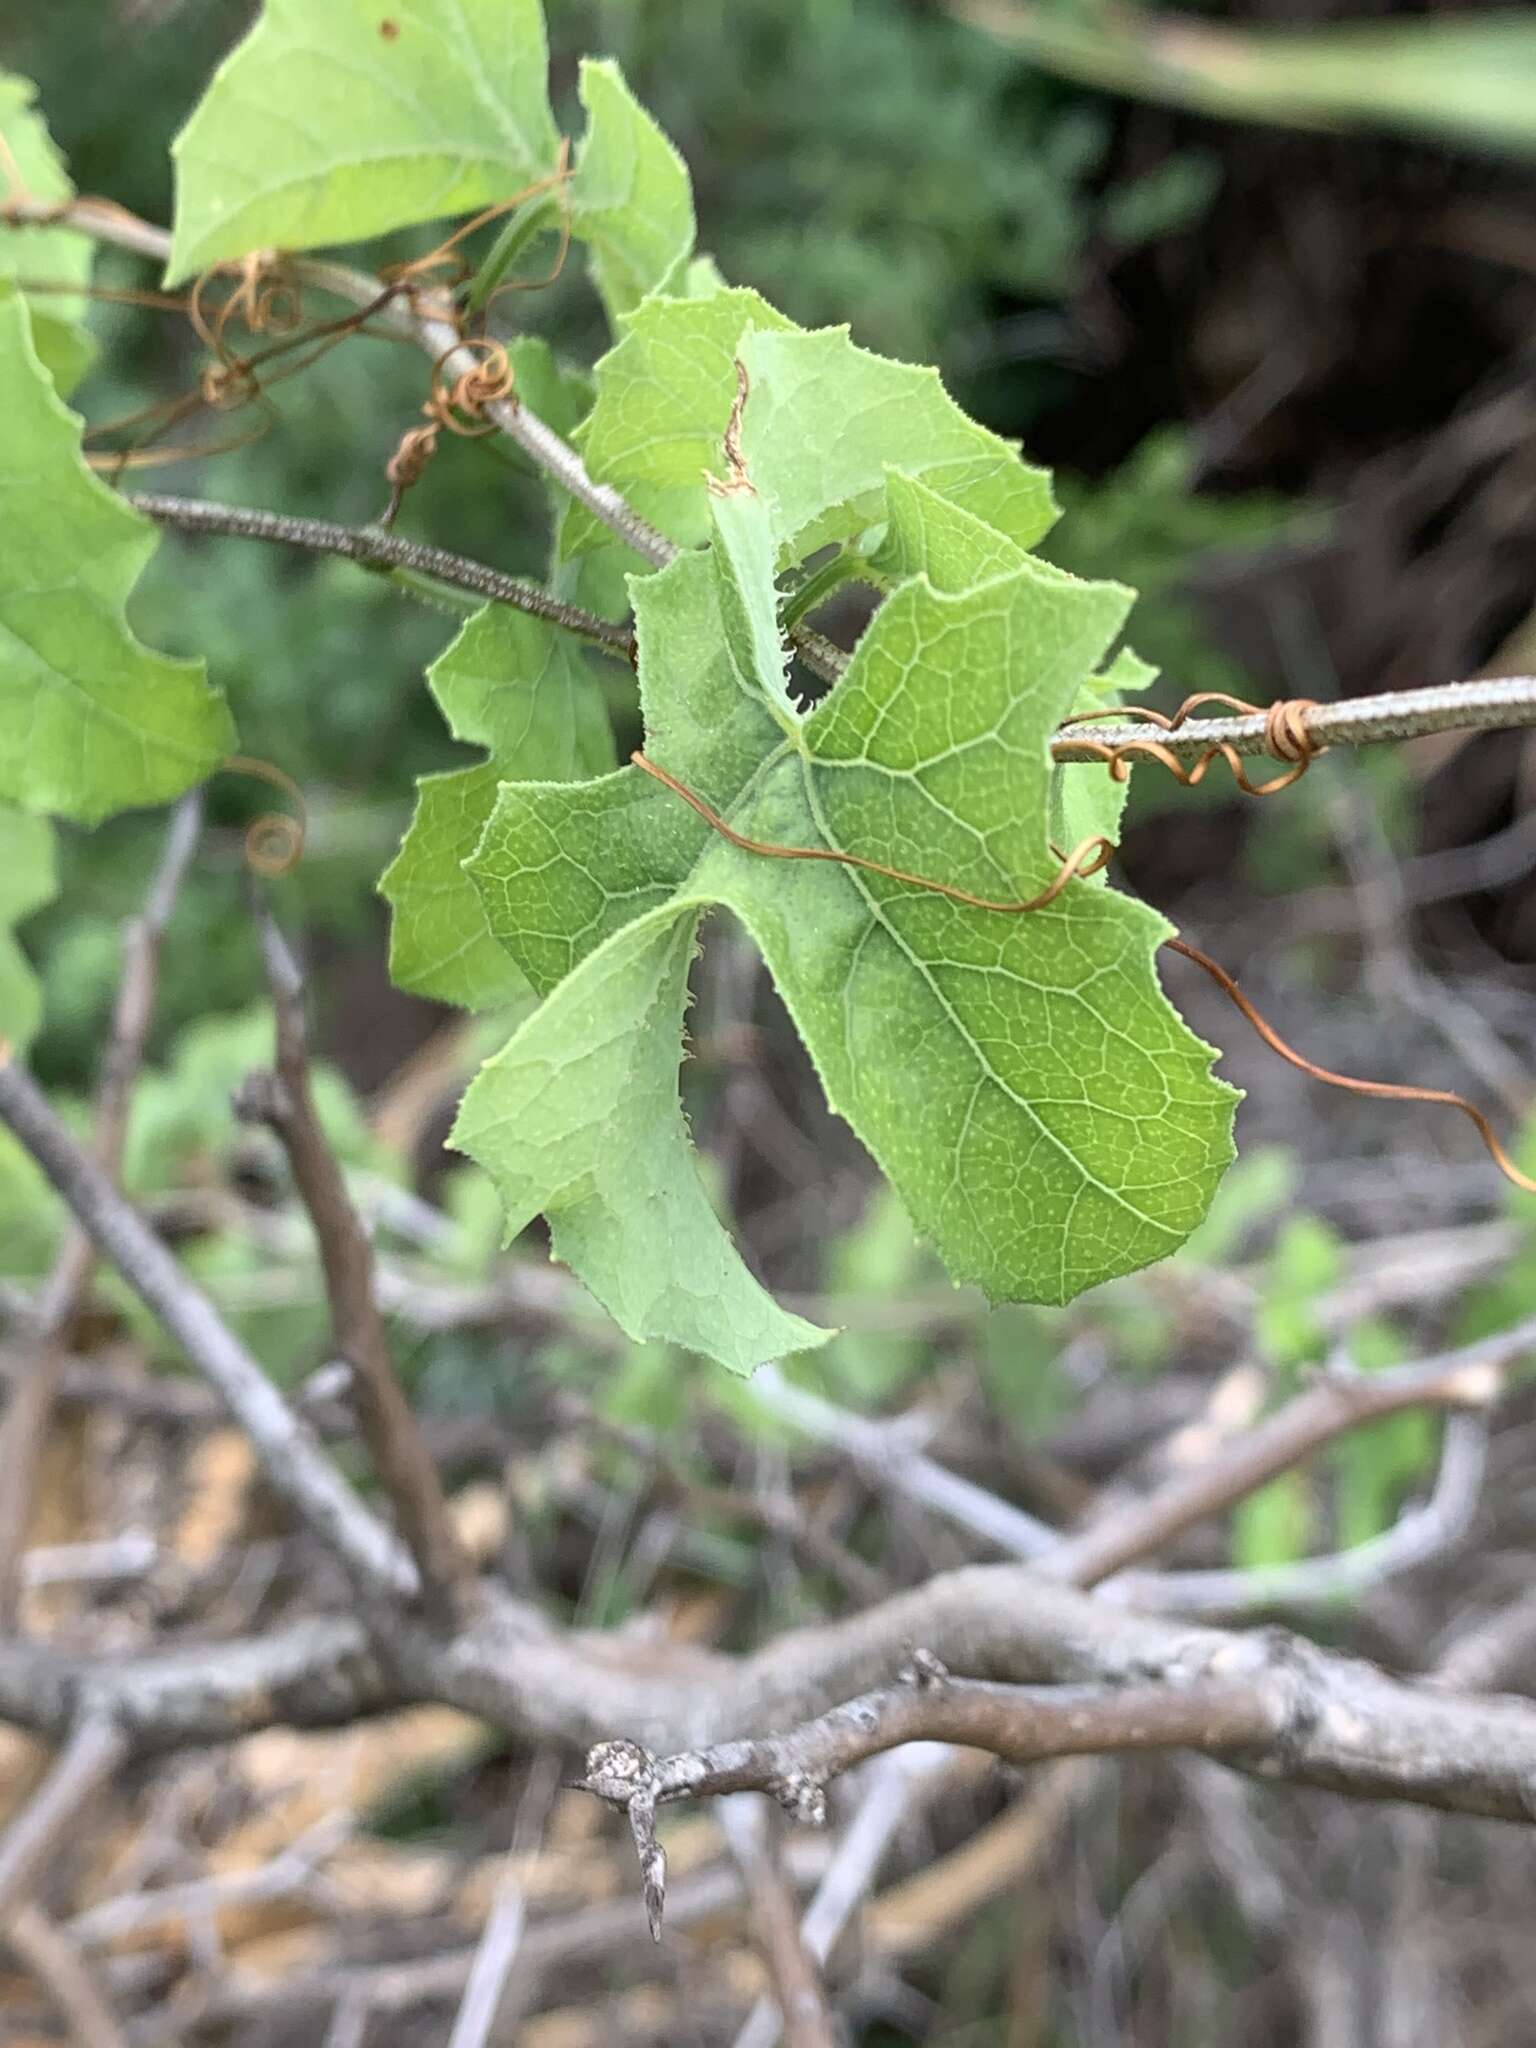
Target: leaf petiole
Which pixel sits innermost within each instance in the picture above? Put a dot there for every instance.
(529, 221)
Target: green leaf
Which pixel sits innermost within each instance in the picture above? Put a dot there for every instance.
(579, 1117)
(826, 418)
(28, 880)
(91, 721)
(54, 257)
(1087, 802)
(332, 122)
(1043, 1113)
(664, 397)
(510, 684)
(1273, 1526)
(823, 423)
(929, 533)
(744, 554)
(631, 199)
(560, 394)
(1045, 1116)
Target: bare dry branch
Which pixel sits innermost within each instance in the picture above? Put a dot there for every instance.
(1337, 1401)
(283, 1101)
(58, 1966)
(296, 1466)
(775, 1922)
(88, 1759)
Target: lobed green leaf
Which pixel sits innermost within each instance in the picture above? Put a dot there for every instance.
(578, 1118)
(55, 258)
(631, 197)
(510, 684)
(28, 880)
(1044, 1114)
(91, 721)
(334, 120)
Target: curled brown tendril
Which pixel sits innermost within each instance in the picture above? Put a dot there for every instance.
(1286, 738)
(1086, 858)
(264, 301)
(235, 383)
(274, 842)
(1388, 1091)
(443, 257)
(458, 407)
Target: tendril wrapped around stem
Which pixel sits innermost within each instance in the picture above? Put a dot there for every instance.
(1286, 738)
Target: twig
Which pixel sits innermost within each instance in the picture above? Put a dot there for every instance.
(796, 1980)
(1337, 1401)
(372, 547)
(1023, 1723)
(316, 1673)
(114, 1560)
(877, 1451)
(1423, 1532)
(397, 1987)
(57, 1965)
(296, 1466)
(283, 1101)
(29, 1409)
(481, 2012)
(1478, 706)
(438, 337)
(292, 1872)
(892, 1787)
(88, 1759)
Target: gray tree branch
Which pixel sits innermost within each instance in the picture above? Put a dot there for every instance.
(295, 1464)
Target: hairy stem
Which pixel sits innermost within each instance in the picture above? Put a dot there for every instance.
(375, 549)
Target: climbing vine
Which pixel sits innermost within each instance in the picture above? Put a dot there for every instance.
(894, 827)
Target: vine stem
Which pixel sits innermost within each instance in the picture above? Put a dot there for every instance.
(374, 549)
(1488, 704)
(1501, 702)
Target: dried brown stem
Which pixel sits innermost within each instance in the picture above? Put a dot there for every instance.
(283, 1101)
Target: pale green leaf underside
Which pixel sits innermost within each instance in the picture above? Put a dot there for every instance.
(1042, 1111)
(28, 880)
(51, 256)
(510, 684)
(578, 1118)
(335, 120)
(823, 422)
(91, 721)
(664, 396)
(631, 198)
(826, 419)
(744, 555)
